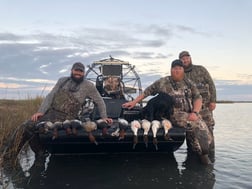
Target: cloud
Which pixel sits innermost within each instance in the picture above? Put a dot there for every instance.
(245, 78)
(9, 37)
(32, 62)
(148, 55)
(11, 85)
(187, 29)
(30, 53)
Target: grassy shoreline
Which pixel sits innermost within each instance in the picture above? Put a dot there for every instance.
(12, 114)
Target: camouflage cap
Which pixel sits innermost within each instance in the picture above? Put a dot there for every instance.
(183, 53)
(78, 66)
(176, 62)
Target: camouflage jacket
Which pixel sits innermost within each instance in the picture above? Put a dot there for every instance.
(78, 92)
(184, 92)
(201, 77)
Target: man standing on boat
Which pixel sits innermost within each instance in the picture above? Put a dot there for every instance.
(65, 101)
(204, 82)
(188, 102)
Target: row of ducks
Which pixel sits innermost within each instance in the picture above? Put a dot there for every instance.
(154, 126)
(71, 128)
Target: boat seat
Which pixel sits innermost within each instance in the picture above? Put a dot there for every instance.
(114, 107)
(113, 87)
(115, 110)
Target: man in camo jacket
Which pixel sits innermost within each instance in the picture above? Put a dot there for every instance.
(201, 77)
(64, 103)
(188, 103)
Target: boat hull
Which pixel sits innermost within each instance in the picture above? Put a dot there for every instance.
(110, 143)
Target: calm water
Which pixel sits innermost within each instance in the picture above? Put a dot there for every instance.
(232, 168)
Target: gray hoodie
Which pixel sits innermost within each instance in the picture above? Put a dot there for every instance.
(85, 89)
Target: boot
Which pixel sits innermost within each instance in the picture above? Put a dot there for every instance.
(205, 159)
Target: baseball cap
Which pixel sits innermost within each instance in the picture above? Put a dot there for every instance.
(183, 53)
(176, 62)
(78, 66)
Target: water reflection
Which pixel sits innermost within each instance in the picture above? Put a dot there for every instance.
(195, 175)
(106, 171)
(26, 160)
(113, 171)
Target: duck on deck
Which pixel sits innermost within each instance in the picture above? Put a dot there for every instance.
(118, 82)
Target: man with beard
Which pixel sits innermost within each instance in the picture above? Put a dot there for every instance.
(64, 103)
(188, 102)
(68, 95)
(203, 80)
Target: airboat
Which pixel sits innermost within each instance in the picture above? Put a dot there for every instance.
(118, 82)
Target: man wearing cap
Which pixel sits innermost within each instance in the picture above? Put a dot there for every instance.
(65, 101)
(201, 77)
(188, 103)
(69, 94)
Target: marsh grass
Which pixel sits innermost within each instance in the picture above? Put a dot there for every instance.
(12, 114)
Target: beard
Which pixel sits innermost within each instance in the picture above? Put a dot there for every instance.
(178, 77)
(77, 80)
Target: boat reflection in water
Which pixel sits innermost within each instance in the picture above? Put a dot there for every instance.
(124, 170)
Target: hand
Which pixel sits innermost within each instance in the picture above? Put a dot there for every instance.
(36, 116)
(212, 106)
(192, 117)
(128, 105)
(108, 120)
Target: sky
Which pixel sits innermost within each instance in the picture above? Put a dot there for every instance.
(40, 40)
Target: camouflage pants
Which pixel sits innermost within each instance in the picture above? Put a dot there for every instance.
(207, 116)
(54, 115)
(31, 133)
(198, 136)
(31, 136)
